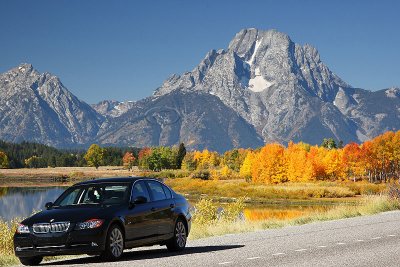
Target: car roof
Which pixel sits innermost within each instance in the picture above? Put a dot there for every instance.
(115, 180)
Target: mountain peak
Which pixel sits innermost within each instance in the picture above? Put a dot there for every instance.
(25, 68)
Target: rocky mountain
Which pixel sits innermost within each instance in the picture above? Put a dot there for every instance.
(113, 108)
(286, 92)
(262, 88)
(37, 107)
(197, 119)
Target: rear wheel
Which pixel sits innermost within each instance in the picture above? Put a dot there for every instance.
(114, 244)
(178, 241)
(31, 261)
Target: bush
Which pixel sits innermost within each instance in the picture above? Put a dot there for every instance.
(205, 212)
(233, 210)
(7, 231)
(201, 174)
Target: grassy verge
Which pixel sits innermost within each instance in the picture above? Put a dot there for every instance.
(368, 205)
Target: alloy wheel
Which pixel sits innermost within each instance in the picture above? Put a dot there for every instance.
(116, 242)
(180, 233)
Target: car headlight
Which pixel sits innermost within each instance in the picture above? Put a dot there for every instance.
(22, 229)
(89, 224)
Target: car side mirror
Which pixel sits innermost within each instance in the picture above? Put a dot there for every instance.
(49, 205)
(138, 200)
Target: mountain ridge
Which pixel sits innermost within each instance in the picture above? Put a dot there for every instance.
(267, 86)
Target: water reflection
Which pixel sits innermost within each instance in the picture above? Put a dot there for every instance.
(22, 201)
(281, 212)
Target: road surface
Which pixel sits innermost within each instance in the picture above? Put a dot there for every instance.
(362, 241)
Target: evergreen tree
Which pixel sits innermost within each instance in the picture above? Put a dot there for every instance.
(181, 155)
(3, 160)
(329, 143)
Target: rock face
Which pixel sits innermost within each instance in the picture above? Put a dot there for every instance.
(262, 88)
(199, 120)
(37, 107)
(286, 92)
(112, 108)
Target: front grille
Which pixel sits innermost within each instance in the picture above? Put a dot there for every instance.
(55, 227)
(58, 227)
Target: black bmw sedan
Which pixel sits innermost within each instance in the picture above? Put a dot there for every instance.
(104, 217)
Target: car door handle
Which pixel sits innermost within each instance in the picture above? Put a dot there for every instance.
(172, 206)
(153, 209)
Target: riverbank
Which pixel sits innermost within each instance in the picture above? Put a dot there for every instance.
(220, 190)
(59, 175)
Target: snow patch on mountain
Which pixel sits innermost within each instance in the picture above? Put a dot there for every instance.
(259, 83)
(253, 56)
(393, 92)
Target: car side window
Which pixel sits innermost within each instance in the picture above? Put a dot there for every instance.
(156, 190)
(140, 190)
(167, 192)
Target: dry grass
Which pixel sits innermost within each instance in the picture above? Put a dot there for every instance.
(66, 175)
(7, 231)
(262, 192)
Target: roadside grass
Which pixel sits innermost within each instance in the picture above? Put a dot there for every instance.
(368, 205)
(7, 231)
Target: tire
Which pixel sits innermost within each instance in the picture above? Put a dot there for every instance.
(114, 244)
(178, 241)
(31, 261)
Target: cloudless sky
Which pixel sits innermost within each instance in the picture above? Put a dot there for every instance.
(124, 50)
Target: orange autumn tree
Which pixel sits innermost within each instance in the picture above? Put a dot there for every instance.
(334, 168)
(270, 165)
(128, 160)
(299, 167)
(353, 161)
(315, 158)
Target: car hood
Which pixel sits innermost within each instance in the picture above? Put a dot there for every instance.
(71, 214)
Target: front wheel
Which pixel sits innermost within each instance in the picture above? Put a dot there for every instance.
(31, 261)
(178, 241)
(114, 244)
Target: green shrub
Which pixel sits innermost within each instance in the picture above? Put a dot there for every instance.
(201, 174)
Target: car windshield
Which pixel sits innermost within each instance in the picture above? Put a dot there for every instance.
(105, 194)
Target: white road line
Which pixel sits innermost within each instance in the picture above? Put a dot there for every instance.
(322, 246)
(359, 240)
(277, 254)
(377, 237)
(225, 262)
(391, 235)
(300, 250)
(340, 243)
(254, 258)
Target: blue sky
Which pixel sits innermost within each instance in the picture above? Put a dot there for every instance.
(123, 50)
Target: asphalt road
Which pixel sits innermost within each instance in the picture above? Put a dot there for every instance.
(363, 241)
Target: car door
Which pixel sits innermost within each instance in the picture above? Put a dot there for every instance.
(162, 207)
(139, 221)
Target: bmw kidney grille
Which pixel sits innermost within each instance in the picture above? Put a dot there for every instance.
(55, 227)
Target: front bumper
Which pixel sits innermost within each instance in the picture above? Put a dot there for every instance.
(73, 242)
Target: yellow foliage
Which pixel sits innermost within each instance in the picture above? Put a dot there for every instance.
(270, 165)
